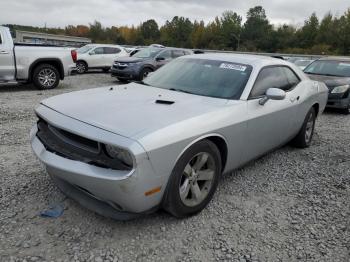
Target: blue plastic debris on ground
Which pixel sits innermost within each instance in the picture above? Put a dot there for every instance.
(53, 211)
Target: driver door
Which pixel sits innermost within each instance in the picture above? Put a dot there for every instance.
(269, 125)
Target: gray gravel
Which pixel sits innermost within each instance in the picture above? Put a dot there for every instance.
(291, 205)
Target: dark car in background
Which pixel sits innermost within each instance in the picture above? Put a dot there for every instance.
(147, 60)
(335, 73)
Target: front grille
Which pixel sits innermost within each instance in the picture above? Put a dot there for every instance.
(75, 147)
(120, 66)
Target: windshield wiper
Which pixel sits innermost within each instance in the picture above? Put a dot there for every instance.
(180, 90)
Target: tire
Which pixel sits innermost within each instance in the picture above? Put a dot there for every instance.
(46, 76)
(346, 111)
(304, 137)
(182, 198)
(82, 67)
(144, 73)
(123, 80)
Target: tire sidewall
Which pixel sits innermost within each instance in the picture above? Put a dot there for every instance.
(36, 81)
(172, 201)
(311, 111)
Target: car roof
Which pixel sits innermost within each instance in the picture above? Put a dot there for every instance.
(335, 58)
(253, 60)
(104, 45)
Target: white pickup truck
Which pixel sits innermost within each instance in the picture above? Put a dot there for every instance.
(43, 66)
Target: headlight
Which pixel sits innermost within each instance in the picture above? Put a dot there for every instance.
(120, 154)
(340, 89)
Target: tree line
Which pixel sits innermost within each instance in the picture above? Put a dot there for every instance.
(329, 35)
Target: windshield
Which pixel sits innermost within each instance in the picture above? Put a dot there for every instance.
(331, 68)
(148, 52)
(303, 62)
(84, 49)
(202, 77)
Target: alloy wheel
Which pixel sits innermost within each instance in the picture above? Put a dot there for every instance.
(197, 179)
(47, 77)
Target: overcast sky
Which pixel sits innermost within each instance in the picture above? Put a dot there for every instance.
(59, 13)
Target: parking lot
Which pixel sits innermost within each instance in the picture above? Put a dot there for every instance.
(291, 205)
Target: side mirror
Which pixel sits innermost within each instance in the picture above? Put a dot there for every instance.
(273, 94)
(160, 59)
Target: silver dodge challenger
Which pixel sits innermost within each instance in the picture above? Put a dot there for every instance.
(164, 142)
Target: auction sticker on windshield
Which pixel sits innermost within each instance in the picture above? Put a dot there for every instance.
(233, 67)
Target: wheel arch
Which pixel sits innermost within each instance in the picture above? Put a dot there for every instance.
(51, 61)
(84, 61)
(316, 106)
(219, 140)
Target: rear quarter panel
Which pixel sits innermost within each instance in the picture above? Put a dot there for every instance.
(27, 55)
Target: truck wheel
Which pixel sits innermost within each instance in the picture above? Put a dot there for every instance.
(46, 76)
(81, 67)
(194, 180)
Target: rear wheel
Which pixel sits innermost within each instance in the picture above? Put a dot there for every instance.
(346, 111)
(46, 76)
(194, 180)
(81, 67)
(304, 137)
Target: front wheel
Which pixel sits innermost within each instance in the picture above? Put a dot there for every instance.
(144, 73)
(304, 137)
(194, 180)
(46, 76)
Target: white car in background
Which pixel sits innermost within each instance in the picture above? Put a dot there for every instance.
(98, 56)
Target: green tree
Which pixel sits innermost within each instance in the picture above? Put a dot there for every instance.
(231, 29)
(257, 29)
(150, 31)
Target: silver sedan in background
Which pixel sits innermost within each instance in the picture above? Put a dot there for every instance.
(127, 150)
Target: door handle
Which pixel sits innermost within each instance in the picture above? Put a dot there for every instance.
(3, 52)
(293, 99)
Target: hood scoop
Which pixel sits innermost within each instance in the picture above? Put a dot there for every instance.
(164, 102)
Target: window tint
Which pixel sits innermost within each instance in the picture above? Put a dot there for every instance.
(166, 54)
(292, 78)
(270, 77)
(0, 40)
(98, 51)
(111, 50)
(178, 53)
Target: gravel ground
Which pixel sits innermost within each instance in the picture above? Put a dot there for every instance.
(291, 205)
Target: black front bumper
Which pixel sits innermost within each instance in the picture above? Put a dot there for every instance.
(340, 101)
(126, 73)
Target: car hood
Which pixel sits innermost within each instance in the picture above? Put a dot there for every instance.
(131, 110)
(330, 81)
(130, 59)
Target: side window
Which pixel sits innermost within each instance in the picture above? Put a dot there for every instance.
(292, 78)
(166, 54)
(187, 52)
(111, 50)
(0, 40)
(270, 77)
(99, 51)
(178, 53)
